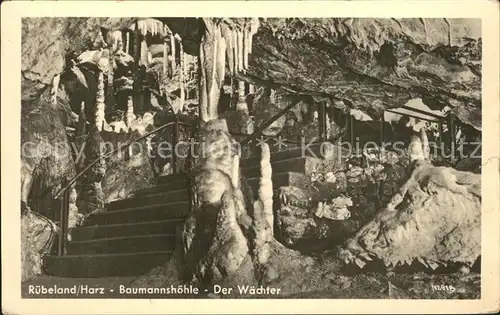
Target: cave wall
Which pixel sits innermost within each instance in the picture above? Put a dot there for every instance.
(375, 63)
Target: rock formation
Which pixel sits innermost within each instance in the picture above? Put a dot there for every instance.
(128, 170)
(434, 218)
(37, 236)
(90, 194)
(227, 237)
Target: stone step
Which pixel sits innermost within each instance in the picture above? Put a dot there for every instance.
(282, 179)
(146, 213)
(104, 265)
(303, 165)
(116, 245)
(125, 229)
(313, 150)
(160, 188)
(175, 179)
(150, 199)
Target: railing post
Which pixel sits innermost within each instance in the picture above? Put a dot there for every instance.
(382, 130)
(60, 245)
(440, 133)
(175, 141)
(352, 134)
(451, 127)
(322, 121)
(63, 220)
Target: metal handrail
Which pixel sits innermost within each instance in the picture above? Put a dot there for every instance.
(64, 210)
(107, 155)
(268, 123)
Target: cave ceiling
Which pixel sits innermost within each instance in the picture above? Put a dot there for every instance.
(370, 64)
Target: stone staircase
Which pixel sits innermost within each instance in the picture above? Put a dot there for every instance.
(138, 233)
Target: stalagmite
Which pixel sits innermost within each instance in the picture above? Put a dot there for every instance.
(120, 42)
(186, 70)
(240, 50)
(116, 41)
(234, 37)
(110, 91)
(130, 116)
(144, 52)
(127, 43)
(80, 135)
(55, 88)
(172, 49)
(425, 143)
(181, 74)
(100, 106)
(165, 57)
(242, 104)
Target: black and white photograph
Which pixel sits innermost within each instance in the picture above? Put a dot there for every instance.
(254, 157)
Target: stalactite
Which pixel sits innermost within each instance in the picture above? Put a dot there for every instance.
(100, 105)
(246, 51)
(234, 37)
(449, 32)
(254, 26)
(240, 50)
(213, 91)
(227, 35)
(251, 88)
(212, 69)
